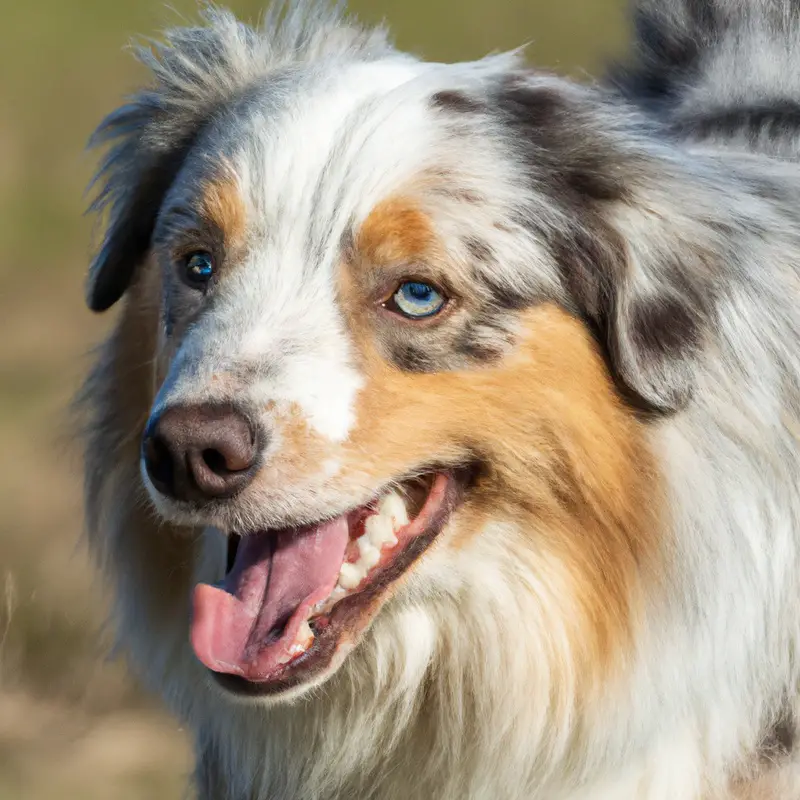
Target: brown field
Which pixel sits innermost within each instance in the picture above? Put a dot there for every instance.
(72, 723)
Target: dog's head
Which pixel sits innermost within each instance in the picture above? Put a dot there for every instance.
(394, 329)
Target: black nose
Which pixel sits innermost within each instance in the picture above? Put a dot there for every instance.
(200, 452)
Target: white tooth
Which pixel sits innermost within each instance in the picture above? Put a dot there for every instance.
(379, 530)
(350, 575)
(305, 636)
(302, 641)
(337, 594)
(392, 505)
(370, 555)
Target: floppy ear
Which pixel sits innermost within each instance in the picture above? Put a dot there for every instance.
(195, 71)
(636, 266)
(135, 177)
(646, 296)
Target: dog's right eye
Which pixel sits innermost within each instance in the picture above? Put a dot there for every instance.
(416, 300)
(198, 269)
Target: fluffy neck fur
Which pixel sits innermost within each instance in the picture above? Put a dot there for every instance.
(481, 697)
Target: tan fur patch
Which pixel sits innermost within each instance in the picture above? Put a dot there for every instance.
(222, 204)
(400, 241)
(303, 453)
(396, 230)
(567, 462)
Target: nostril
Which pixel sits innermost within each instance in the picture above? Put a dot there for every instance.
(230, 450)
(220, 471)
(158, 460)
(216, 462)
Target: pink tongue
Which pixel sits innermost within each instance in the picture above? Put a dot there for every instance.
(247, 625)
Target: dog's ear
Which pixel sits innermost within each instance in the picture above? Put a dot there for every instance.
(633, 237)
(645, 294)
(194, 72)
(135, 175)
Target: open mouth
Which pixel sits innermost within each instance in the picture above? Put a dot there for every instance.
(292, 597)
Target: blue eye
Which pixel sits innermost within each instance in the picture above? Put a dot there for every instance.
(199, 268)
(417, 300)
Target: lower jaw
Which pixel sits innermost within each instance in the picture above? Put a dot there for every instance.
(338, 630)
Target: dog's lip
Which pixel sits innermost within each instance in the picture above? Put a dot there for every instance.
(342, 625)
(354, 513)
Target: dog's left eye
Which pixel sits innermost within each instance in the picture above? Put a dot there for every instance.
(198, 269)
(416, 300)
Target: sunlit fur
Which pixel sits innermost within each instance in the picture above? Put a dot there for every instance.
(613, 611)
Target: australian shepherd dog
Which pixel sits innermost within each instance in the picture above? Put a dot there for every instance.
(447, 443)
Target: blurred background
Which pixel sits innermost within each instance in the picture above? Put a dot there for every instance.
(72, 722)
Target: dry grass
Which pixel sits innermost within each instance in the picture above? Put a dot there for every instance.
(50, 749)
(73, 725)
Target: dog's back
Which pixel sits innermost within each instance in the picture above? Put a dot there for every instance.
(725, 71)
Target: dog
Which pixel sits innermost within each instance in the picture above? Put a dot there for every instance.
(447, 442)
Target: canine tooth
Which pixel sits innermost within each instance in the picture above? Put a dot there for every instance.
(350, 575)
(302, 641)
(337, 594)
(379, 530)
(305, 636)
(370, 555)
(392, 505)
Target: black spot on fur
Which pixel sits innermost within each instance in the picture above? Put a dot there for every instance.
(506, 297)
(479, 249)
(784, 736)
(780, 738)
(668, 50)
(446, 184)
(455, 192)
(412, 359)
(452, 100)
(591, 180)
(552, 136)
(479, 351)
(530, 106)
(347, 245)
(774, 119)
(467, 196)
(649, 329)
(663, 329)
(590, 262)
(483, 339)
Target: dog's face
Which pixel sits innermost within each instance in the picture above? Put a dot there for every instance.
(387, 356)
